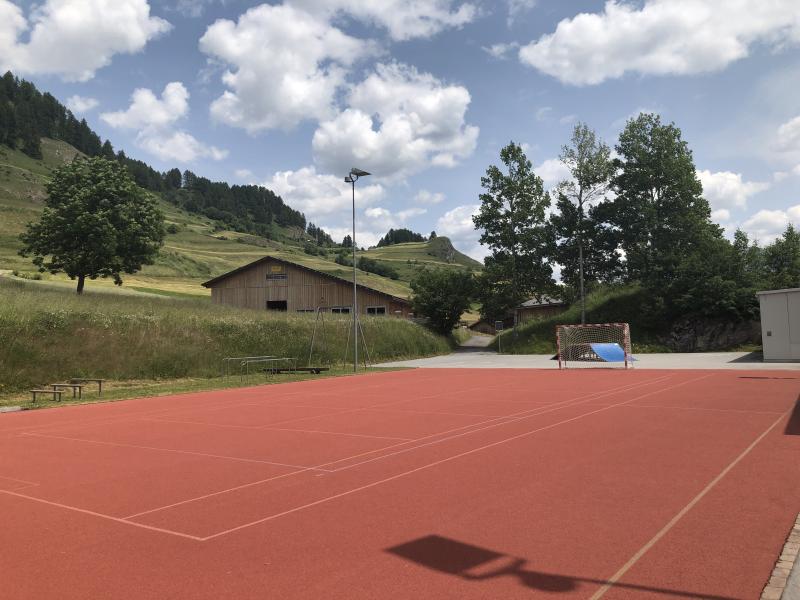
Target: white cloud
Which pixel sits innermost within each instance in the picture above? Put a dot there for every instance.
(176, 145)
(722, 215)
(766, 225)
(501, 50)
(420, 122)
(384, 219)
(320, 195)
(727, 190)
(154, 119)
(567, 119)
(74, 38)
(517, 8)
(552, 171)
(286, 66)
(243, 174)
(426, 197)
(194, 8)
(404, 20)
(543, 113)
(788, 143)
(147, 110)
(81, 104)
(661, 37)
(457, 224)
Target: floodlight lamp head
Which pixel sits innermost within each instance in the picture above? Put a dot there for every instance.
(358, 172)
(348, 179)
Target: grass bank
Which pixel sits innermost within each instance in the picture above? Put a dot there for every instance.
(128, 389)
(606, 305)
(49, 334)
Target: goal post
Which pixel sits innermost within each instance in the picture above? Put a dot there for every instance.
(595, 345)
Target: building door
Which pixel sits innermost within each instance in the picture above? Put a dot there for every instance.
(775, 326)
(277, 305)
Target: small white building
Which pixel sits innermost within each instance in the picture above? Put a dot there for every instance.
(780, 324)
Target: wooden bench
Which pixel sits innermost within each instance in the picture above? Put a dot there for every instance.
(55, 393)
(315, 370)
(75, 387)
(99, 382)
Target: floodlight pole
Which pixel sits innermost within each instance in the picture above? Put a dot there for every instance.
(351, 178)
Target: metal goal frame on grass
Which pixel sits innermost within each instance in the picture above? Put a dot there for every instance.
(574, 343)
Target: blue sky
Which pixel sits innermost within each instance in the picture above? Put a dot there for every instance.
(423, 94)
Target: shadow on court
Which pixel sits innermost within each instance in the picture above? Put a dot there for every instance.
(793, 426)
(473, 563)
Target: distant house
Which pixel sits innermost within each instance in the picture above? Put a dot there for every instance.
(539, 308)
(530, 310)
(272, 283)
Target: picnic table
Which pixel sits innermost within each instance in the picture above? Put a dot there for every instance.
(75, 387)
(55, 393)
(99, 382)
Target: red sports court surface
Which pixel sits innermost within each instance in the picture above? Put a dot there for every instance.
(415, 484)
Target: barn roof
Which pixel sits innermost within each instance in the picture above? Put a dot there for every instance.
(212, 282)
(543, 300)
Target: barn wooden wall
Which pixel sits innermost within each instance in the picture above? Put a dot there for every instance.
(302, 290)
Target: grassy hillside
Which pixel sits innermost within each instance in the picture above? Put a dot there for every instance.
(607, 305)
(407, 258)
(49, 334)
(199, 250)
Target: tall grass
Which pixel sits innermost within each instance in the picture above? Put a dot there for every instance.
(613, 304)
(48, 334)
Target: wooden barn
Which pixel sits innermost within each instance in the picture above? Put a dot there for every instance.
(539, 308)
(272, 283)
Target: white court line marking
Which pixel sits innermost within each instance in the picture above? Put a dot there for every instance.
(358, 435)
(102, 516)
(672, 522)
(623, 388)
(156, 449)
(432, 412)
(727, 410)
(25, 484)
(271, 428)
(501, 421)
(217, 493)
(442, 461)
(210, 404)
(300, 470)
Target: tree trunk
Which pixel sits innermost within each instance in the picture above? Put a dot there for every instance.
(580, 257)
(583, 293)
(81, 281)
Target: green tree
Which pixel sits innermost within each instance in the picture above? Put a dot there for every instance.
(782, 260)
(601, 261)
(588, 161)
(714, 282)
(512, 221)
(96, 223)
(659, 212)
(441, 296)
(347, 242)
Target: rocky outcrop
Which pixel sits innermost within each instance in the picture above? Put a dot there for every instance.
(706, 335)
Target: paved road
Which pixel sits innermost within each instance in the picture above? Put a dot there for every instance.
(474, 358)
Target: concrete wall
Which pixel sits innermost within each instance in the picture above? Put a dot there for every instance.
(780, 324)
(300, 288)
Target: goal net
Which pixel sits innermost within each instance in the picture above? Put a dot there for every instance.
(598, 345)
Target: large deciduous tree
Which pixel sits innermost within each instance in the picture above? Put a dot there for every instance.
(441, 296)
(601, 261)
(96, 223)
(512, 221)
(782, 260)
(588, 161)
(659, 212)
